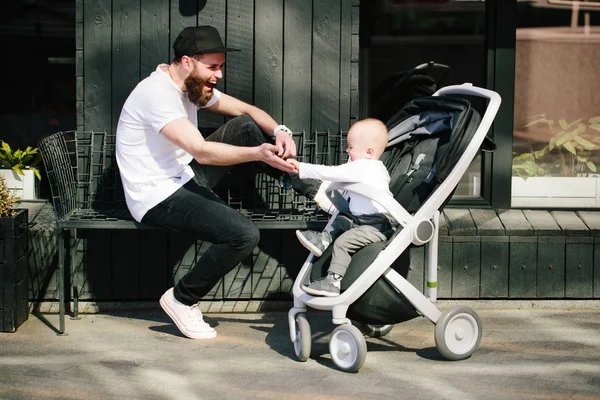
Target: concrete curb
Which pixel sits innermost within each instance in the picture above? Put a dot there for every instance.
(249, 306)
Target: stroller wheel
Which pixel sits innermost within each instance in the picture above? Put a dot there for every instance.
(458, 333)
(303, 337)
(375, 331)
(348, 348)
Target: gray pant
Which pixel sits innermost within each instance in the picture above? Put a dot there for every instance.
(349, 243)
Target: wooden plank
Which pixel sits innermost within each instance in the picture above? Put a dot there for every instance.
(125, 54)
(551, 267)
(95, 273)
(79, 54)
(180, 18)
(443, 228)
(542, 223)
(125, 264)
(515, 223)
(76, 274)
(297, 67)
(213, 13)
(445, 267)
(181, 252)
(579, 281)
(266, 276)
(345, 63)
(355, 19)
(79, 88)
(78, 11)
(155, 40)
(522, 267)
(570, 223)
(97, 64)
(466, 266)
(354, 105)
(79, 36)
(354, 76)
(155, 274)
(240, 35)
(291, 258)
(416, 269)
(237, 283)
(268, 72)
(460, 222)
(592, 220)
(326, 68)
(494, 266)
(216, 293)
(79, 80)
(487, 222)
(355, 51)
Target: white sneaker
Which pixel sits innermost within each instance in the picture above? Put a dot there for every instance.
(187, 318)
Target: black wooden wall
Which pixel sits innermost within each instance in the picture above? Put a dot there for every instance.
(299, 62)
(299, 58)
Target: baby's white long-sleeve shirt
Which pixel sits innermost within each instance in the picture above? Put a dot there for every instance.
(371, 172)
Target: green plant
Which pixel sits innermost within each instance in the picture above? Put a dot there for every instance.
(18, 160)
(7, 199)
(568, 153)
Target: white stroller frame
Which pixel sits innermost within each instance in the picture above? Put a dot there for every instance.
(458, 330)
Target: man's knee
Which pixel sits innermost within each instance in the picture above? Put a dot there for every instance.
(246, 123)
(246, 238)
(243, 131)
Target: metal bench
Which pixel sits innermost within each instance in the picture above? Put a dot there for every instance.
(86, 192)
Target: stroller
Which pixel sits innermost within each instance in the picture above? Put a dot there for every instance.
(432, 141)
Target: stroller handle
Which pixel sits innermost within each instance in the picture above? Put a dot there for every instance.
(468, 89)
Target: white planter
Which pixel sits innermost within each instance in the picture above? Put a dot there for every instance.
(25, 186)
(552, 191)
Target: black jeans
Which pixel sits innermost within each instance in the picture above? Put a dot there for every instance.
(197, 211)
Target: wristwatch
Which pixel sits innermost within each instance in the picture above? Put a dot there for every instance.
(281, 128)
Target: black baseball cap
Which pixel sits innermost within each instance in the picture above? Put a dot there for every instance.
(199, 40)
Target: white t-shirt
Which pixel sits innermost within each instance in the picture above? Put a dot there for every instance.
(152, 168)
(371, 172)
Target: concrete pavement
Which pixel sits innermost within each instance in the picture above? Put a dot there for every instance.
(526, 352)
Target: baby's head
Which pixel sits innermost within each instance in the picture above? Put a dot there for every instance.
(367, 138)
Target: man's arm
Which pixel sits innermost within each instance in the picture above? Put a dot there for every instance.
(233, 107)
(185, 135)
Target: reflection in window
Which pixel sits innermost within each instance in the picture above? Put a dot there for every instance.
(557, 105)
(406, 35)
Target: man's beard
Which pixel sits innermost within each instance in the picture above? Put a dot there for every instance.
(197, 91)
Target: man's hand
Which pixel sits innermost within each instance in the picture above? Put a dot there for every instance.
(283, 141)
(268, 154)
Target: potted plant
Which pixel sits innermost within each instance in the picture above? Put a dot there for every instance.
(562, 172)
(14, 305)
(20, 170)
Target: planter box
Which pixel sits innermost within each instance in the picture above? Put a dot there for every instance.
(25, 186)
(551, 191)
(14, 304)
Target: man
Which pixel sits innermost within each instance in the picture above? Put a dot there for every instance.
(168, 168)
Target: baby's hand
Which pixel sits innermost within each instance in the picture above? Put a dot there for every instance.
(294, 163)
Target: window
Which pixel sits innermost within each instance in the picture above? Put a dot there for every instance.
(557, 105)
(401, 37)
